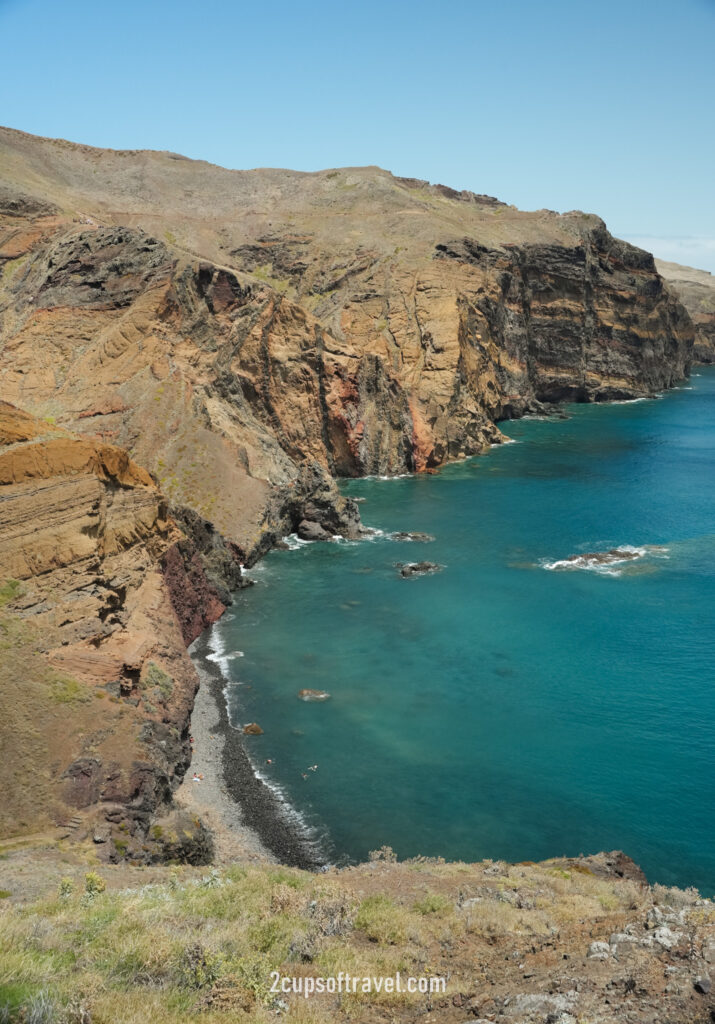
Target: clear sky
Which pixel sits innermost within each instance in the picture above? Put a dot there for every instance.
(566, 104)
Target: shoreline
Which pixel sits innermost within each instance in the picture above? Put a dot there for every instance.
(247, 819)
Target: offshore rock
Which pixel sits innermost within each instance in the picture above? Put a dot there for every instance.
(313, 695)
(417, 568)
(406, 535)
(311, 531)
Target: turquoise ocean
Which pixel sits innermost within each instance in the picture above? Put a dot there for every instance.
(506, 707)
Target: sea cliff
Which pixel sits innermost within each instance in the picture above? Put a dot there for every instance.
(190, 355)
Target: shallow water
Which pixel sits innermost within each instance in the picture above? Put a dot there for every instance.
(501, 708)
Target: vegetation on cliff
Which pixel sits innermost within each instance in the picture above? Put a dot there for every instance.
(571, 941)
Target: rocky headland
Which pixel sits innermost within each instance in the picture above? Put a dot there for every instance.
(696, 290)
(188, 357)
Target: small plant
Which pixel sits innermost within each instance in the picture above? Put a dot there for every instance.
(66, 690)
(252, 972)
(432, 903)
(157, 677)
(65, 888)
(381, 920)
(40, 1009)
(199, 968)
(9, 591)
(5, 894)
(94, 884)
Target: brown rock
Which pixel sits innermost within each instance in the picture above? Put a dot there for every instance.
(252, 729)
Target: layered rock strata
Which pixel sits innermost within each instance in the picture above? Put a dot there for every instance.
(104, 591)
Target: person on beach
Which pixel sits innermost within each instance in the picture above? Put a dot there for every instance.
(196, 778)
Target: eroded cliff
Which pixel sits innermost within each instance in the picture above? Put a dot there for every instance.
(102, 593)
(696, 290)
(227, 326)
(198, 352)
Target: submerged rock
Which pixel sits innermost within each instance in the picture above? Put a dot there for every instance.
(313, 695)
(252, 729)
(407, 535)
(408, 569)
(600, 560)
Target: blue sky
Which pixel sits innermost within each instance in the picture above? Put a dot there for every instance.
(605, 107)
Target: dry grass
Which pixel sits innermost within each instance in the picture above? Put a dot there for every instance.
(202, 946)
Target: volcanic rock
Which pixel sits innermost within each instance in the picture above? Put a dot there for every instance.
(417, 568)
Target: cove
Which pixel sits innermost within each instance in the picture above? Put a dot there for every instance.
(504, 707)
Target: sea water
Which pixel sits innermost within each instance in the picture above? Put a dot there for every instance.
(517, 704)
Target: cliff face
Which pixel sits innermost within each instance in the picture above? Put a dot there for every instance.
(241, 337)
(696, 290)
(105, 591)
(228, 326)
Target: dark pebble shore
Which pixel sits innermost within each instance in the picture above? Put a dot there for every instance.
(262, 809)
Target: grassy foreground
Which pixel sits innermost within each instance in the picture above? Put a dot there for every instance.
(200, 944)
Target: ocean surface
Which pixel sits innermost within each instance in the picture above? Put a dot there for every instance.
(507, 706)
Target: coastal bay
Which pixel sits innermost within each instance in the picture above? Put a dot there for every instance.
(538, 696)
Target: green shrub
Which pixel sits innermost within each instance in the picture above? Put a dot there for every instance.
(65, 888)
(9, 591)
(432, 903)
(94, 883)
(198, 968)
(155, 676)
(381, 920)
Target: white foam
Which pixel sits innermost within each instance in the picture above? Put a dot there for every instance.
(219, 655)
(590, 562)
(394, 476)
(295, 543)
(314, 839)
(375, 533)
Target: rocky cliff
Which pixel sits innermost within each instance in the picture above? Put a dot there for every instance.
(102, 591)
(230, 325)
(198, 352)
(696, 290)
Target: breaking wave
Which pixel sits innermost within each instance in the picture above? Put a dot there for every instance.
(611, 562)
